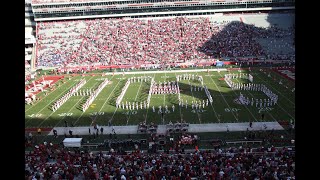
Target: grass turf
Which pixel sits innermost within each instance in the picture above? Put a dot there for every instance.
(103, 109)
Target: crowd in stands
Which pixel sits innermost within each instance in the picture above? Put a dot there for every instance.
(49, 161)
(157, 41)
(58, 1)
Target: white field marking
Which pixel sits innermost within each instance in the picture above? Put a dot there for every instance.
(164, 95)
(48, 104)
(265, 109)
(224, 98)
(198, 111)
(210, 75)
(236, 95)
(245, 105)
(138, 91)
(114, 112)
(35, 115)
(153, 97)
(215, 113)
(232, 109)
(45, 96)
(195, 101)
(108, 97)
(179, 106)
(103, 103)
(100, 79)
(282, 96)
(105, 100)
(79, 97)
(277, 91)
(159, 72)
(68, 111)
(121, 78)
(134, 100)
(63, 116)
(145, 119)
(133, 112)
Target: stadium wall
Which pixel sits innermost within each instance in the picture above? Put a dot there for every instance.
(173, 13)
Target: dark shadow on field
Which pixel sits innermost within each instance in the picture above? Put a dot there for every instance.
(143, 95)
(84, 99)
(117, 92)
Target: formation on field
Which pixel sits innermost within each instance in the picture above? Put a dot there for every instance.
(226, 96)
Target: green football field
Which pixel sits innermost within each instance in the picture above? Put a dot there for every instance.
(103, 109)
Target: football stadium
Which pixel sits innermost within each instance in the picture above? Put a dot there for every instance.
(153, 89)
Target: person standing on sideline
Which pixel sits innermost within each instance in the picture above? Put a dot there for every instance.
(250, 124)
(70, 132)
(89, 130)
(55, 133)
(101, 130)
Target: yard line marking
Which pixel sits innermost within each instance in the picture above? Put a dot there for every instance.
(46, 96)
(223, 98)
(138, 91)
(166, 71)
(104, 102)
(282, 96)
(48, 104)
(68, 111)
(63, 117)
(145, 119)
(215, 113)
(110, 120)
(277, 91)
(266, 111)
(179, 106)
(107, 98)
(195, 101)
(134, 100)
(114, 112)
(244, 105)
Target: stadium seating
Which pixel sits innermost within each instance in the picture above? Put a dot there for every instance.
(49, 161)
(157, 41)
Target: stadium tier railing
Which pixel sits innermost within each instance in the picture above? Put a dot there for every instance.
(243, 142)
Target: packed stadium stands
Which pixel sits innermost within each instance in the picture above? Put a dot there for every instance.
(157, 41)
(49, 161)
(65, 38)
